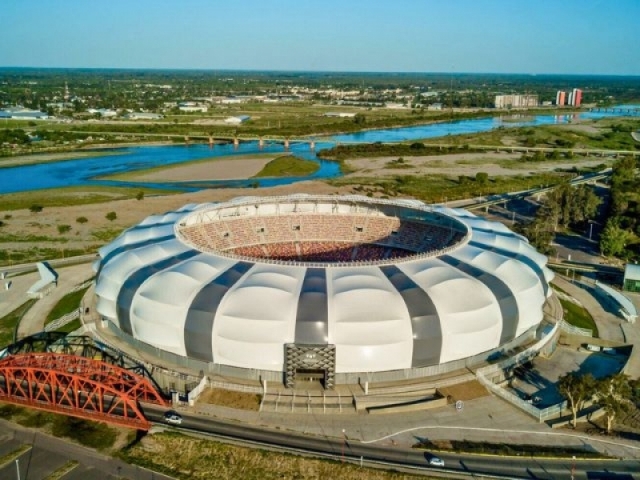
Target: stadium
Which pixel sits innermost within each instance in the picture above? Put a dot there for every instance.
(321, 287)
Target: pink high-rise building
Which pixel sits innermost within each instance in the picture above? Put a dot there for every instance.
(577, 97)
(560, 98)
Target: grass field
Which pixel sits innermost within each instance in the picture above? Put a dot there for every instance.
(90, 434)
(578, 316)
(9, 322)
(67, 304)
(184, 457)
(68, 196)
(288, 166)
(443, 188)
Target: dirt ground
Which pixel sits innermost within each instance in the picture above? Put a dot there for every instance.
(226, 398)
(460, 164)
(219, 169)
(465, 391)
(26, 225)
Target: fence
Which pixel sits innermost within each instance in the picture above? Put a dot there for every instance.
(62, 321)
(236, 387)
(573, 330)
(525, 406)
(195, 393)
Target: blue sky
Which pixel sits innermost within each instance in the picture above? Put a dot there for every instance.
(511, 36)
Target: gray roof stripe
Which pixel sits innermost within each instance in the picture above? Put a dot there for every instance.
(518, 256)
(198, 327)
(502, 292)
(425, 322)
(131, 246)
(135, 281)
(312, 319)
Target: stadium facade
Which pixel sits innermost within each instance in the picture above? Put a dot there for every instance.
(281, 288)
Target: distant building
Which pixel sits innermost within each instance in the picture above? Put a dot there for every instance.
(103, 112)
(516, 101)
(237, 120)
(22, 113)
(561, 97)
(577, 97)
(143, 116)
(435, 106)
(339, 114)
(631, 282)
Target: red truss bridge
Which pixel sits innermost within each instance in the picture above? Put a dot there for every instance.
(77, 386)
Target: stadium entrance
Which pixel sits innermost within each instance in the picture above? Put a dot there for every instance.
(311, 377)
(307, 365)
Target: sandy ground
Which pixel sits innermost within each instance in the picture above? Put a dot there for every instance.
(460, 164)
(222, 169)
(129, 212)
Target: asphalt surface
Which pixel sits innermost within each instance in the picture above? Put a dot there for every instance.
(349, 449)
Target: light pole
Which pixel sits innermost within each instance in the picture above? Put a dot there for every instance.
(573, 467)
(590, 229)
(18, 468)
(344, 441)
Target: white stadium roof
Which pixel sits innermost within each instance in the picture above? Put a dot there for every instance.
(481, 290)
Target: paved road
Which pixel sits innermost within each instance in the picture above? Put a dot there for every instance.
(48, 453)
(459, 463)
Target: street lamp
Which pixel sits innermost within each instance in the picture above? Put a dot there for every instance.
(17, 469)
(590, 229)
(573, 467)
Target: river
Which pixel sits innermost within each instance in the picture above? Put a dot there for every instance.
(87, 171)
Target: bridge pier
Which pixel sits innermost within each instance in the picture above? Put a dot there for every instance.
(186, 139)
(286, 144)
(210, 141)
(236, 142)
(261, 143)
(312, 145)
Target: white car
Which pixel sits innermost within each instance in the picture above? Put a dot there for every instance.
(173, 418)
(436, 462)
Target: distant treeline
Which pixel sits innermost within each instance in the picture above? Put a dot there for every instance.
(416, 149)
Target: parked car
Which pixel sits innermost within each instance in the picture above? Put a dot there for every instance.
(173, 418)
(436, 461)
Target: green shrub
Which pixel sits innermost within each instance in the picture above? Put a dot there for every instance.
(82, 219)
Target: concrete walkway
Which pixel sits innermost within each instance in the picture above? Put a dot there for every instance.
(609, 326)
(69, 277)
(484, 419)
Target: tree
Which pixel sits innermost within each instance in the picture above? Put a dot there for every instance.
(613, 393)
(359, 119)
(613, 239)
(140, 195)
(111, 216)
(82, 219)
(35, 208)
(482, 178)
(64, 229)
(576, 389)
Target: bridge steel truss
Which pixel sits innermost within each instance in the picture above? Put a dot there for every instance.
(77, 386)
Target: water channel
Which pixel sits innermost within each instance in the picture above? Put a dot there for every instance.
(87, 171)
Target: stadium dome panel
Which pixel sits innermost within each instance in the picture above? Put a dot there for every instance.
(274, 287)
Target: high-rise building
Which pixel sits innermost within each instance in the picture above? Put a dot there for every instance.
(516, 101)
(560, 98)
(570, 99)
(577, 97)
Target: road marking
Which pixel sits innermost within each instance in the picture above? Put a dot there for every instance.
(502, 431)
